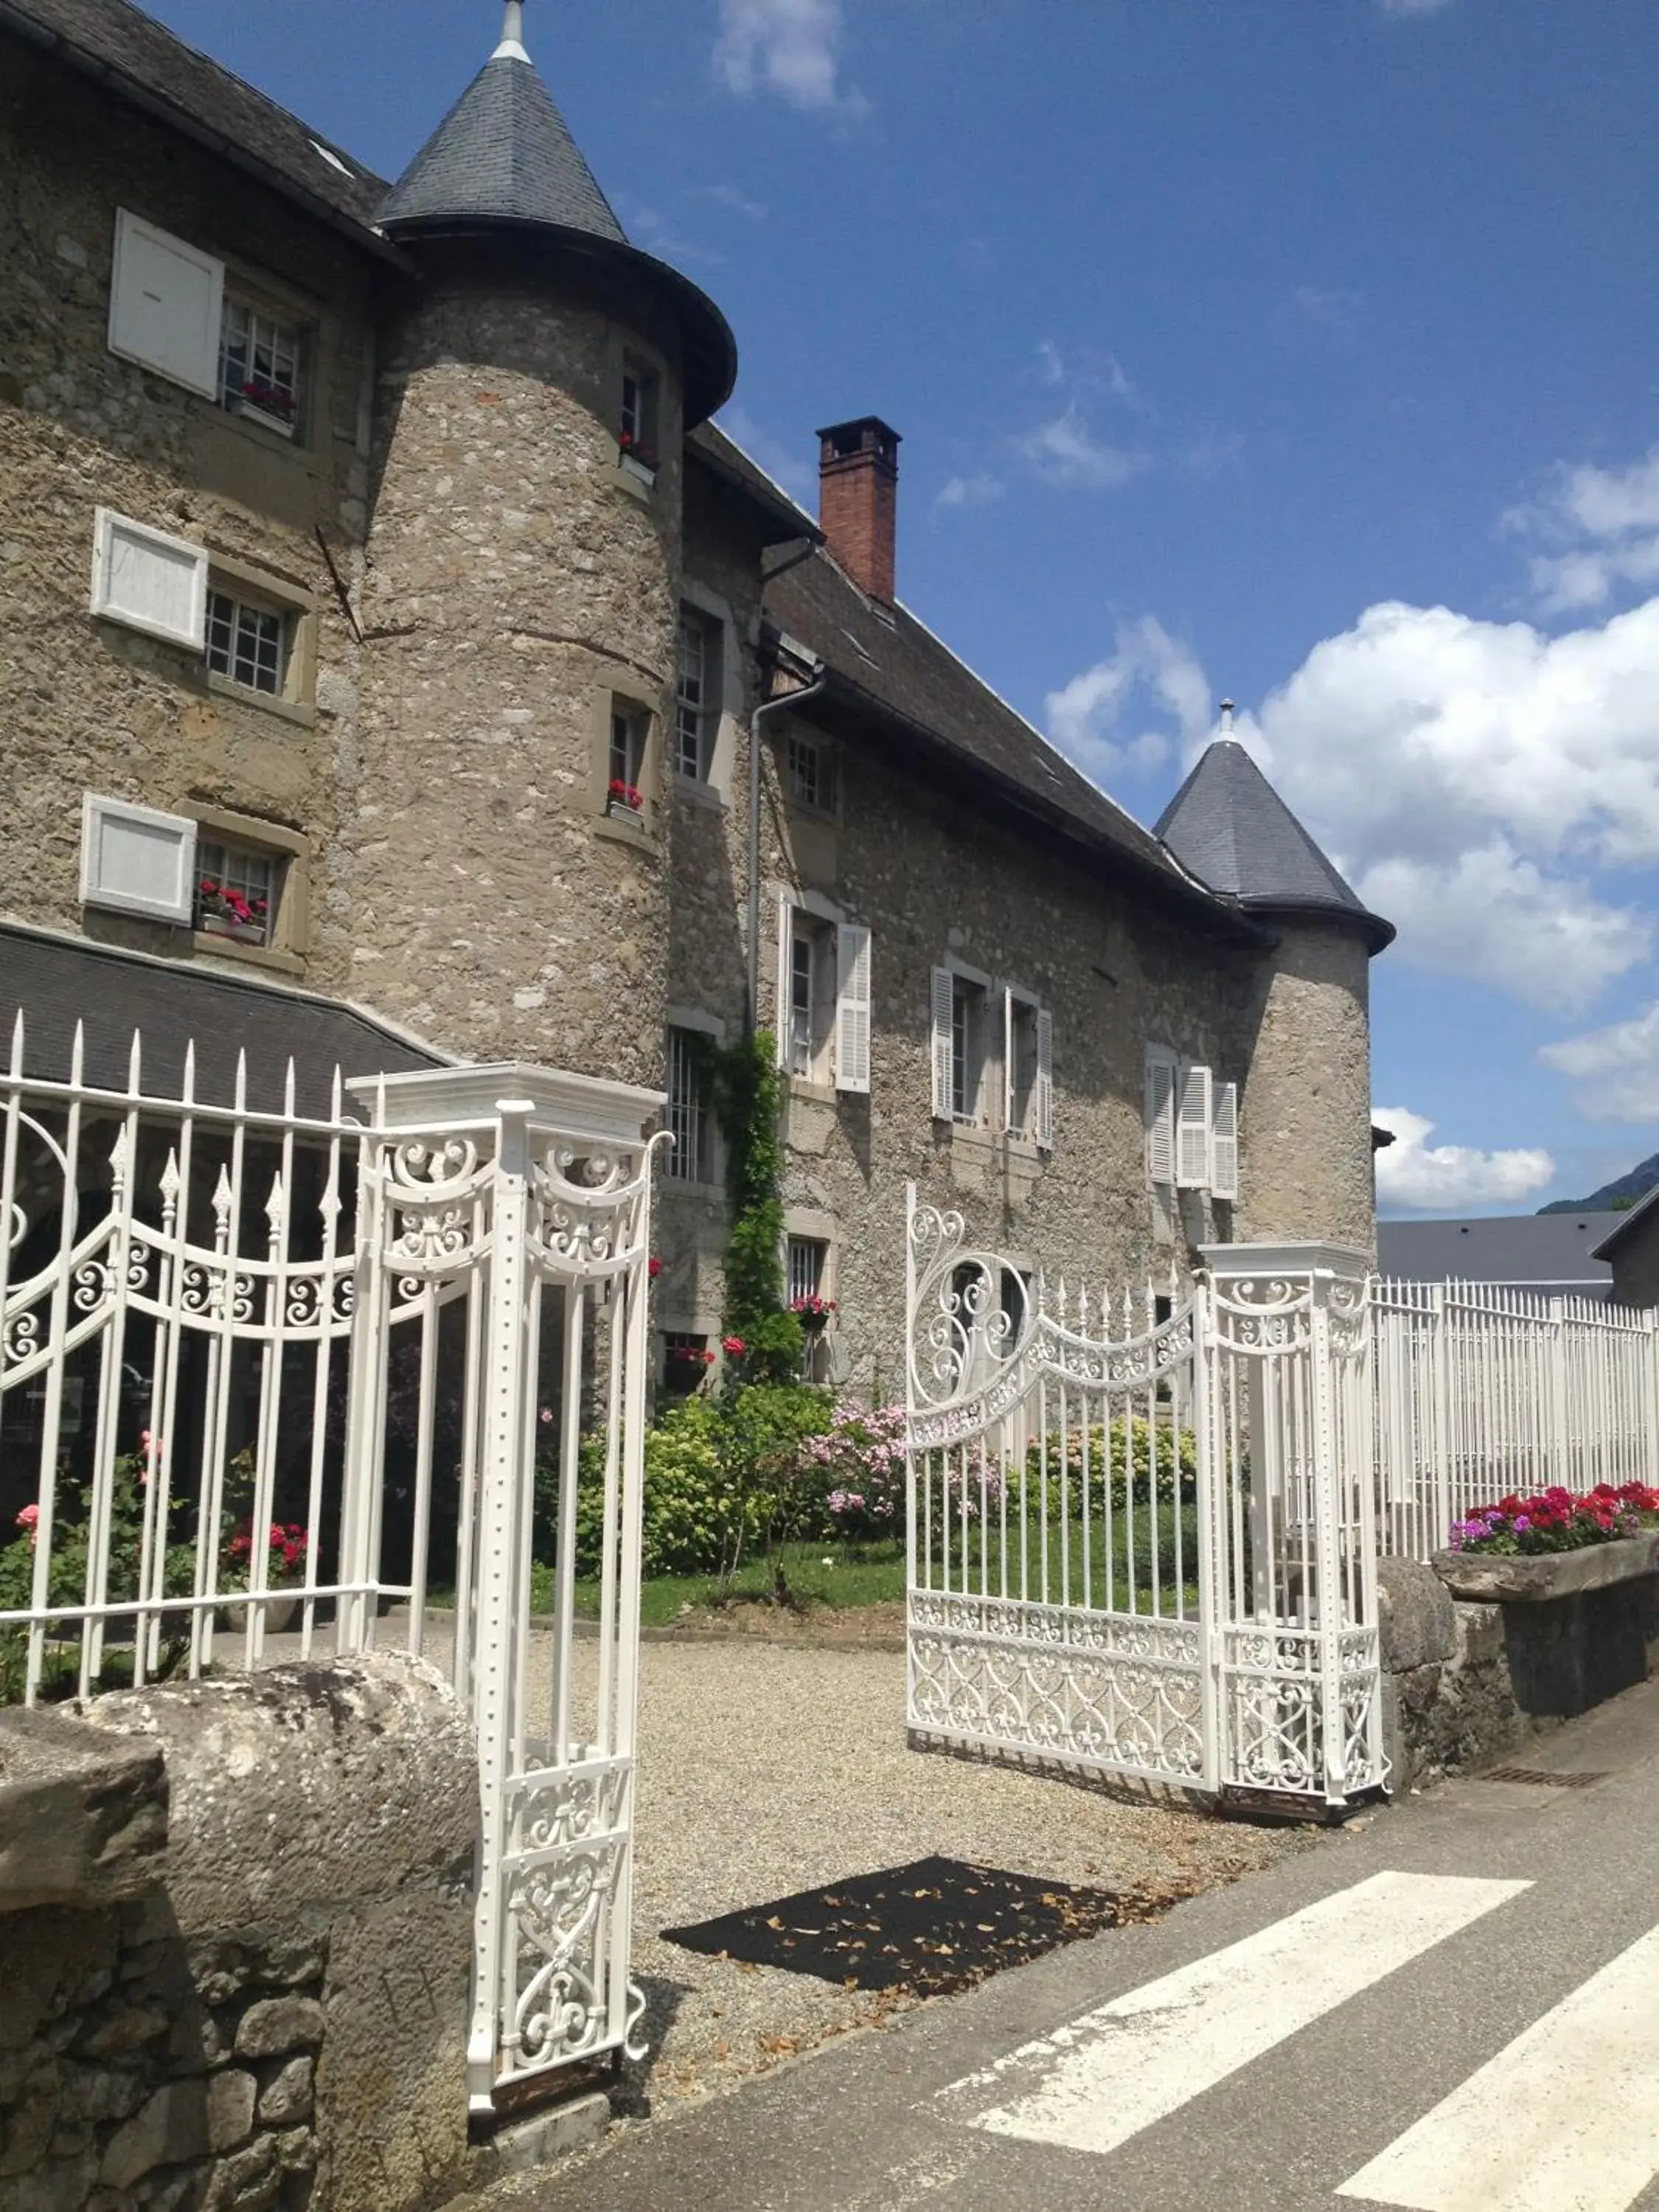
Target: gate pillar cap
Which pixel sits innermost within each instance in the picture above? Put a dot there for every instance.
(429, 1100)
(1229, 1262)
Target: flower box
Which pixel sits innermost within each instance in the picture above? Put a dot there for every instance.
(282, 424)
(642, 472)
(281, 1610)
(224, 925)
(1510, 1578)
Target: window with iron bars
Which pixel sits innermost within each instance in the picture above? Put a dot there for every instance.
(247, 643)
(808, 1256)
(687, 1116)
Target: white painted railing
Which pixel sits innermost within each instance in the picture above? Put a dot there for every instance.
(1482, 1390)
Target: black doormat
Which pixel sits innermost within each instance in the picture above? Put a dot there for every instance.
(932, 1927)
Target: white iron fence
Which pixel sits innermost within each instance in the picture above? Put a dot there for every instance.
(267, 1376)
(1483, 1391)
(1141, 1529)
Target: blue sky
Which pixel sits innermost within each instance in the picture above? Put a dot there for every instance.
(1305, 351)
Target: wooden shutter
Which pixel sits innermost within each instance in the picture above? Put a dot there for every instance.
(1160, 1116)
(135, 861)
(942, 990)
(1193, 1130)
(1223, 1142)
(1044, 1131)
(852, 1007)
(149, 580)
(165, 301)
(781, 1016)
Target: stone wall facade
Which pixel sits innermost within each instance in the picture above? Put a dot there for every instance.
(236, 1922)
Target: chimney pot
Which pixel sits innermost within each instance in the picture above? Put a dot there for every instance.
(857, 499)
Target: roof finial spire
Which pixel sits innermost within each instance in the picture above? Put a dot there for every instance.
(512, 47)
(1226, 718)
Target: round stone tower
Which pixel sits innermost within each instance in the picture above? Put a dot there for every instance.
(1301, 1033)
(520, 601)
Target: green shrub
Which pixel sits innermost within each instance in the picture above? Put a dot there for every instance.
(1128, 1448)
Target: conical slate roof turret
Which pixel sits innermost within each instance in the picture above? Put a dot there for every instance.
(1230, 828)
(503, 159)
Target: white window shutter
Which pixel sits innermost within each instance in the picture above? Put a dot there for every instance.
(135, 861)
(1223, 1142)
(1193, 1130)
(852, 1007)
(781, 1016)
(165, 301)
(149, 580)
(943, 989)
(1045, 1079)
(1160, 1116)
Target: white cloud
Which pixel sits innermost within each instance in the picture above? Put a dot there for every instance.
(1607, 522)
(1451, 1178)
(1086, 716)
(1474, 780)
(739, 202)
(1065, 452)
(1614, 1071)
(977, 490)
(1412, 7)
(785, 47)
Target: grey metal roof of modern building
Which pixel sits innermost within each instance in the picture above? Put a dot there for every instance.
(1623, 1221)
(1231, 828)
(57, 984)
(503, 154)
(1549, 1252)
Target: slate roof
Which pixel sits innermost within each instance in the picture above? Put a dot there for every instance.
(503, 154)
(890, 665)
(783, 518)
(1554, 1252)
(1231, 828)
(110, 40)
(56, 982)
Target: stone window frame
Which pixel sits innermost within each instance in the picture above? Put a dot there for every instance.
(622, 687)
(812, 1225)
(260, 293)
(714, 1184)
(258, 586)
(711, 789)
(820, 1082)
(629, 355)
(290, 926)
(985, 1121)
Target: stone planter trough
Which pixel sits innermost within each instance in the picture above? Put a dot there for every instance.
(1487, 1578)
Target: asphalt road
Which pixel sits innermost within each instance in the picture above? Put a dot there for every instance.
(1314, 2037)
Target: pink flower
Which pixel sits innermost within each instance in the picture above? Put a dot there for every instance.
(654, 1268)
(547, 1417)
(733, 1346)
(27, 1519)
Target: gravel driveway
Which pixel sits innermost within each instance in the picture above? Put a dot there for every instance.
(765, 1768)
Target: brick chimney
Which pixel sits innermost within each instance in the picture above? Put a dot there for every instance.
(857, 499)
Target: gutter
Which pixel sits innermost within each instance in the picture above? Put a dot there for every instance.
(819, 681)
(178, 118)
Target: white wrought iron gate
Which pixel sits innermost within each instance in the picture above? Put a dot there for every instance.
(321, 1368)
(1141, 1527)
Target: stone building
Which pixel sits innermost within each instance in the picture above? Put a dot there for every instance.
(413, 711)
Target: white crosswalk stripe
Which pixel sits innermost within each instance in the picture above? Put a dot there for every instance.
(1093, 2085)
(1566, 2119)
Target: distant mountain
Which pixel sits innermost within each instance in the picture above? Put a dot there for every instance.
(1615, 1196)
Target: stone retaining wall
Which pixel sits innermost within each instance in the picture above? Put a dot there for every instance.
(236, 1918)
(1462, 1682)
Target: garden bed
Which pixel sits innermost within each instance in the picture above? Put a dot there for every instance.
(1501, 1578)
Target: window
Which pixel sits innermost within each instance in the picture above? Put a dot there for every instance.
(807, 1258)
(237, 891)
(688, 1118)
(1028, 1064)
(824, 1004)
(961, 1026)
(686, 1359)
(695, 710)
(1192, 1127)
(637, 429)
(1162, 1069)
(629, 728)
(811, 773)
(259, 365)
(165, 304)
(148, 581)
(246, 642)
(134, 860)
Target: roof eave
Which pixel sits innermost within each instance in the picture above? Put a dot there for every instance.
(1616, 1235)
(1223, 917)
(711, 350)
(1378, 933)
(788, 525)
(360, 233)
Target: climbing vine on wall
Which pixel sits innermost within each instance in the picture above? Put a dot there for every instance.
(747, 1092)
